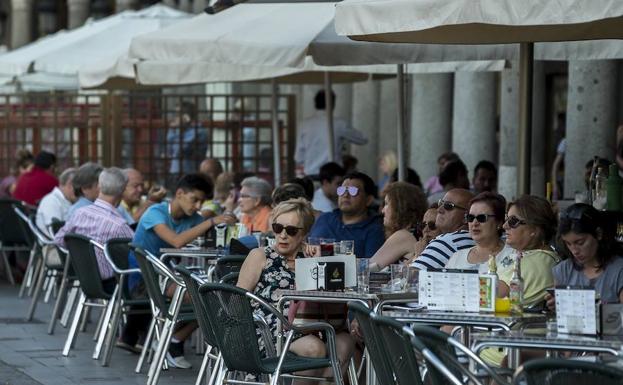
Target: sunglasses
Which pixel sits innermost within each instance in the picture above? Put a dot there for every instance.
(430, 224)
(481, 218)
(449, 206)
(514, 222)
(290, 230)
(352, 190)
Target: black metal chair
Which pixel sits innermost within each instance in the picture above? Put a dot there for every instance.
(427, 340)
(15, 236)
(557, 371)
(230, 314)
(166, 312)
(374, 345)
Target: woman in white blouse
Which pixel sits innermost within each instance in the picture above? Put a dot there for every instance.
(485, 218)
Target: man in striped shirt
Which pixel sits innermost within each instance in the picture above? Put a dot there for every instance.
(101, 221)
(454, 235)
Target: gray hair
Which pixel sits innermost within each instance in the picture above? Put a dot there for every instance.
(86, 176)
(259, 188)
(67, 175)
(112, 181)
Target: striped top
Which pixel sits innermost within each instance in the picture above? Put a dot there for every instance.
(439, 250)
(100, 222)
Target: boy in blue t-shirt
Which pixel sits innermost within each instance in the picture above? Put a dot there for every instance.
(173, 225)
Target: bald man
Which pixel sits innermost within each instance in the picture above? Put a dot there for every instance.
(131, 207)
(454, 235)
(212, 168)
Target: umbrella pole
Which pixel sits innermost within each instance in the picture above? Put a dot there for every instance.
(400, 129)
(526, 66)
(328, 98)
(276, 141)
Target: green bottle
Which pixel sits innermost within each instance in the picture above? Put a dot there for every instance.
(614, 186)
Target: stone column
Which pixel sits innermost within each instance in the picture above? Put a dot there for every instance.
(199, 6)
(591, 117)
(124, 5)
(474, 117)
(366, 97)
(21, 22)
(344, 101)
(170, 3)
(77, 13)
(509, 134)
(431, 121)
(388, 121)
(185, 6)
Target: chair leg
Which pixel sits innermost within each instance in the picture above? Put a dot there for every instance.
(50, 285)
(73, 293)
(156, 365)
(101, 323)
(102, 330)
(25, 283)
(35, 295)
(73, 330)
(111, 334)
(352, 372)
(60, 298)
(216, 371)
(31, 276)
(8, 272)
(204, 365)
(147, 345)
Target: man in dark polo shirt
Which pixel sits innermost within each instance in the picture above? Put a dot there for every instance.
(38, 182)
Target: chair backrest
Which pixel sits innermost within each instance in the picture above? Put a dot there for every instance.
(556, 371)
(118, 249)
(151, 280)
(398, 350)
(84, 263)
(14, 230)
(231, 317)
(228, 264)
(375, 346)
(192, 286)
(438, 343)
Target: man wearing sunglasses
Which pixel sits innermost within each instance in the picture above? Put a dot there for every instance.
(353, 219)
(454, 235)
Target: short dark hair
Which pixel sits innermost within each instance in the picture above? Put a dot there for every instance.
(320, 101)
(368, 184)
(448, 156)
(196, 181)
(189, 109)
(582, 218)
(307, 184)
(486, 165)
(45, 160)
(497, 202)
(452, 172)
(412, 177)
(288, 191)
(330, 170)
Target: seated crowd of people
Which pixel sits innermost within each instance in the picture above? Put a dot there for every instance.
(448, 224)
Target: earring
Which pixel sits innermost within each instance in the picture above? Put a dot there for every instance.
(532, 234)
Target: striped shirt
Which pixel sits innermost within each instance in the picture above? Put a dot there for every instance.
(100, 222)
(439, 250)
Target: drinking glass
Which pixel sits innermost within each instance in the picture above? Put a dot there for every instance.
(314, 245)
(326, 247)
(363, 275)
(398, 275)
(347, 247)
(412, 280)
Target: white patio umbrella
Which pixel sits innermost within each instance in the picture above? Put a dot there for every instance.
(54, 62)
(488, 22)
(265, 37)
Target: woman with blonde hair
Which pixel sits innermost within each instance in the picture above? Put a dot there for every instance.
(266, 270)
(387, 164)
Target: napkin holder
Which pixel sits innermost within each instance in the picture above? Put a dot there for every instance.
(331, 276)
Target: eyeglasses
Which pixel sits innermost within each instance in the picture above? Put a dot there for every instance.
(430, 224)
(449, 206)
(514, 222)
(247, 196)
(290, 230)
(352, 190)
(481, 218)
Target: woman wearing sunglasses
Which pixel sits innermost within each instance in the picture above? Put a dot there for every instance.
(484, 219)
(404, 205)
(266, 270)
(591, 256)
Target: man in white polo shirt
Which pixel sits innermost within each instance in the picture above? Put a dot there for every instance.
(57, 202)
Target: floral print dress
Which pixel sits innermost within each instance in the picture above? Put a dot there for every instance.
(275, 276)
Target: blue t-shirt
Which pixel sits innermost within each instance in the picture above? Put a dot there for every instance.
(146, 238)
(367, 234)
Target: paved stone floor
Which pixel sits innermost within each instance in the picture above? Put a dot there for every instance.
(29, 356)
